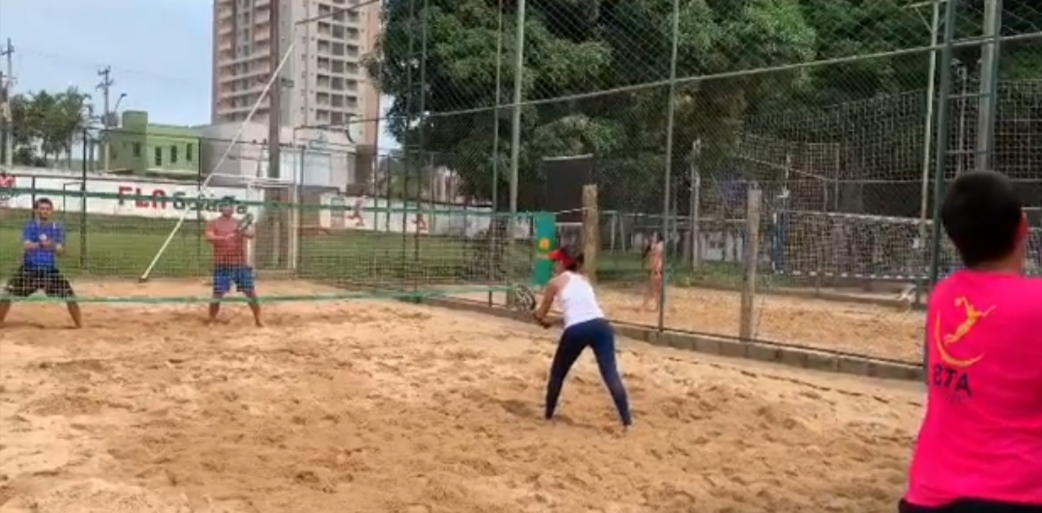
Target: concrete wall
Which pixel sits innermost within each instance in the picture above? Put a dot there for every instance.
(310, 157)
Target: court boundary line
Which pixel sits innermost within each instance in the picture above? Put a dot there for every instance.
(729, 348)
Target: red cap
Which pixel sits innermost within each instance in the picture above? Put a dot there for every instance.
(558, 256)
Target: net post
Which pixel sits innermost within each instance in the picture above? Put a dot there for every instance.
(224, 156)
(591, 231)
(751, 259)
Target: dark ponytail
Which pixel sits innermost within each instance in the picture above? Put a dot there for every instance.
(575, 257)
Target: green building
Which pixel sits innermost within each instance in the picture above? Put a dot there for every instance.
(142, 148)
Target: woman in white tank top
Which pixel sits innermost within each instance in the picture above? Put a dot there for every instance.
(584, 325)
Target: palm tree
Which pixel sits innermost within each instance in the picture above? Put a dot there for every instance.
(46, 125)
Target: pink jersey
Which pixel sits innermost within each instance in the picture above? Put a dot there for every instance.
(982, 434)
(228, 252)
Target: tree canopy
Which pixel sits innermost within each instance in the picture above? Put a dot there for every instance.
(438, 60)
(44, 125)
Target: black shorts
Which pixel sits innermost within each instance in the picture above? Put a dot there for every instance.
(970, 506)
(27, 281)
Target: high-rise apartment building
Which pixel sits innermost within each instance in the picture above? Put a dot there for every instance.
(324, 81)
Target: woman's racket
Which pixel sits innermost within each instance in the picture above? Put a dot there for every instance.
(522, 298)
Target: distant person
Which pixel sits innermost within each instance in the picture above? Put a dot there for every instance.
(6, 184)
(43, 240)
(980, 445)
(654, 253)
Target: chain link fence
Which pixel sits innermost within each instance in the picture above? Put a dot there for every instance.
(677, 109)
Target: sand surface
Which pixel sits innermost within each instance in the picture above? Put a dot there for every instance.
(862, 329)
(386, 407)
(849, 327)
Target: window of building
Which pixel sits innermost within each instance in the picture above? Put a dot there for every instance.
(173, 154)
(157, 157)
(189, 151)
(136, 149)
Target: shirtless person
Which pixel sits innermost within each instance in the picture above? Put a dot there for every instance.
(653, 254)
(229, 260)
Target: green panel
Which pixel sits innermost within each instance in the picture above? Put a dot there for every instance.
(545, 229)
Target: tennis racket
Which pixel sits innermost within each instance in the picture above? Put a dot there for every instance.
(245, 223)
(522, 298)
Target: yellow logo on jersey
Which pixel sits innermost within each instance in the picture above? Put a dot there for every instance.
(973, 316)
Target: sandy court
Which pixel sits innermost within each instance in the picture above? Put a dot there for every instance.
(862, 329)
(388, 407)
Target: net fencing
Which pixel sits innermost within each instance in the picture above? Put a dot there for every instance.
(424, 130)
(112, 236)
(680, 109)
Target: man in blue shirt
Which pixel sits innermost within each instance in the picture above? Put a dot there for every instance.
(43, 240)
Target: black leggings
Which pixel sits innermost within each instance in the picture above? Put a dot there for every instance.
(598, 335)
(970, 506)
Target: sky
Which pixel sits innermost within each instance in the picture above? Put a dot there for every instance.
(159, 52)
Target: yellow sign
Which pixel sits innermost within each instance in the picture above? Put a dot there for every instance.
(544, 244)
(964, 328)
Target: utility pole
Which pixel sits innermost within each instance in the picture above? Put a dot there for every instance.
(278, 219)
(515, 121)
(275, 95)
(6, 93)
(988, 84)
(106, 116)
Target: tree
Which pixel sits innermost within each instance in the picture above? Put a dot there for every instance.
(404, 177)
(45, 126)
(437, 59)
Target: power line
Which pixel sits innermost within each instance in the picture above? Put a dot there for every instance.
(128, 70)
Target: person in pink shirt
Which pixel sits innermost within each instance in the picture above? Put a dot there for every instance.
(980, 445)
